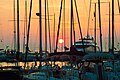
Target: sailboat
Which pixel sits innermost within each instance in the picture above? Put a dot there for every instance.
(87, 43)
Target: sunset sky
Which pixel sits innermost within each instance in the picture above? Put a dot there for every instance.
(7, 27)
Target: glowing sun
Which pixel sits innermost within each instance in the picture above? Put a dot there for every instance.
(61, 41)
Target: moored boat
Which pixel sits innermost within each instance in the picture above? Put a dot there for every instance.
(88, 44)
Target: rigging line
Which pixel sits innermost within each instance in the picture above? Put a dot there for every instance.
(62, 31)
(25, 24)
(49, 25)
(64, 26)
(27, 47)
(118, 6)
(89, 18)
(59, 25)
(73, 28)
(99, 13)
(62, 35)
(24, 38)
(109, 40)
(53, 42)
(78, 20)
(54, 33)
(14, 27)
(1, 37)
(116, 36)
(79, 24)
(26, 16)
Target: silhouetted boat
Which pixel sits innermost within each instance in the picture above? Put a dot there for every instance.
(88, 44)
(11, 73)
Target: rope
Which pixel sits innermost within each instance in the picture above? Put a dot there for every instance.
(118, 6)
(89, 19)
(59, 25)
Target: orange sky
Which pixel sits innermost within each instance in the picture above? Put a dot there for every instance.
(6, 26)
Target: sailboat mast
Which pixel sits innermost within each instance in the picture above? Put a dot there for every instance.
(18, 36)
(100, 24)
(109, 44)
(71, 26)
(45, 28)
(54, 33)
(40, 25)
(28, 32)
(113, 26)
(95, 27)
(89, 19)
(64, 26)
(14, 26)
(25, 25)
(49, 25)
(26, 14)
(74, 31)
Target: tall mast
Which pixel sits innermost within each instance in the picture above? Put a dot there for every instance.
(40, 25)
(28, 32)
(18, 36)
(64, 26)
(14, 26)
(95, 27)
(109, 44)
(26, 14)
(71, 20)
(89, 19)
(25, 25)
(45, 28)
(100, 24)
(54, 33)
(49, 25)
(113, 26)
(73, 31)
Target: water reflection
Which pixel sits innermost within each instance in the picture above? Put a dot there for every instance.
(32, 64)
